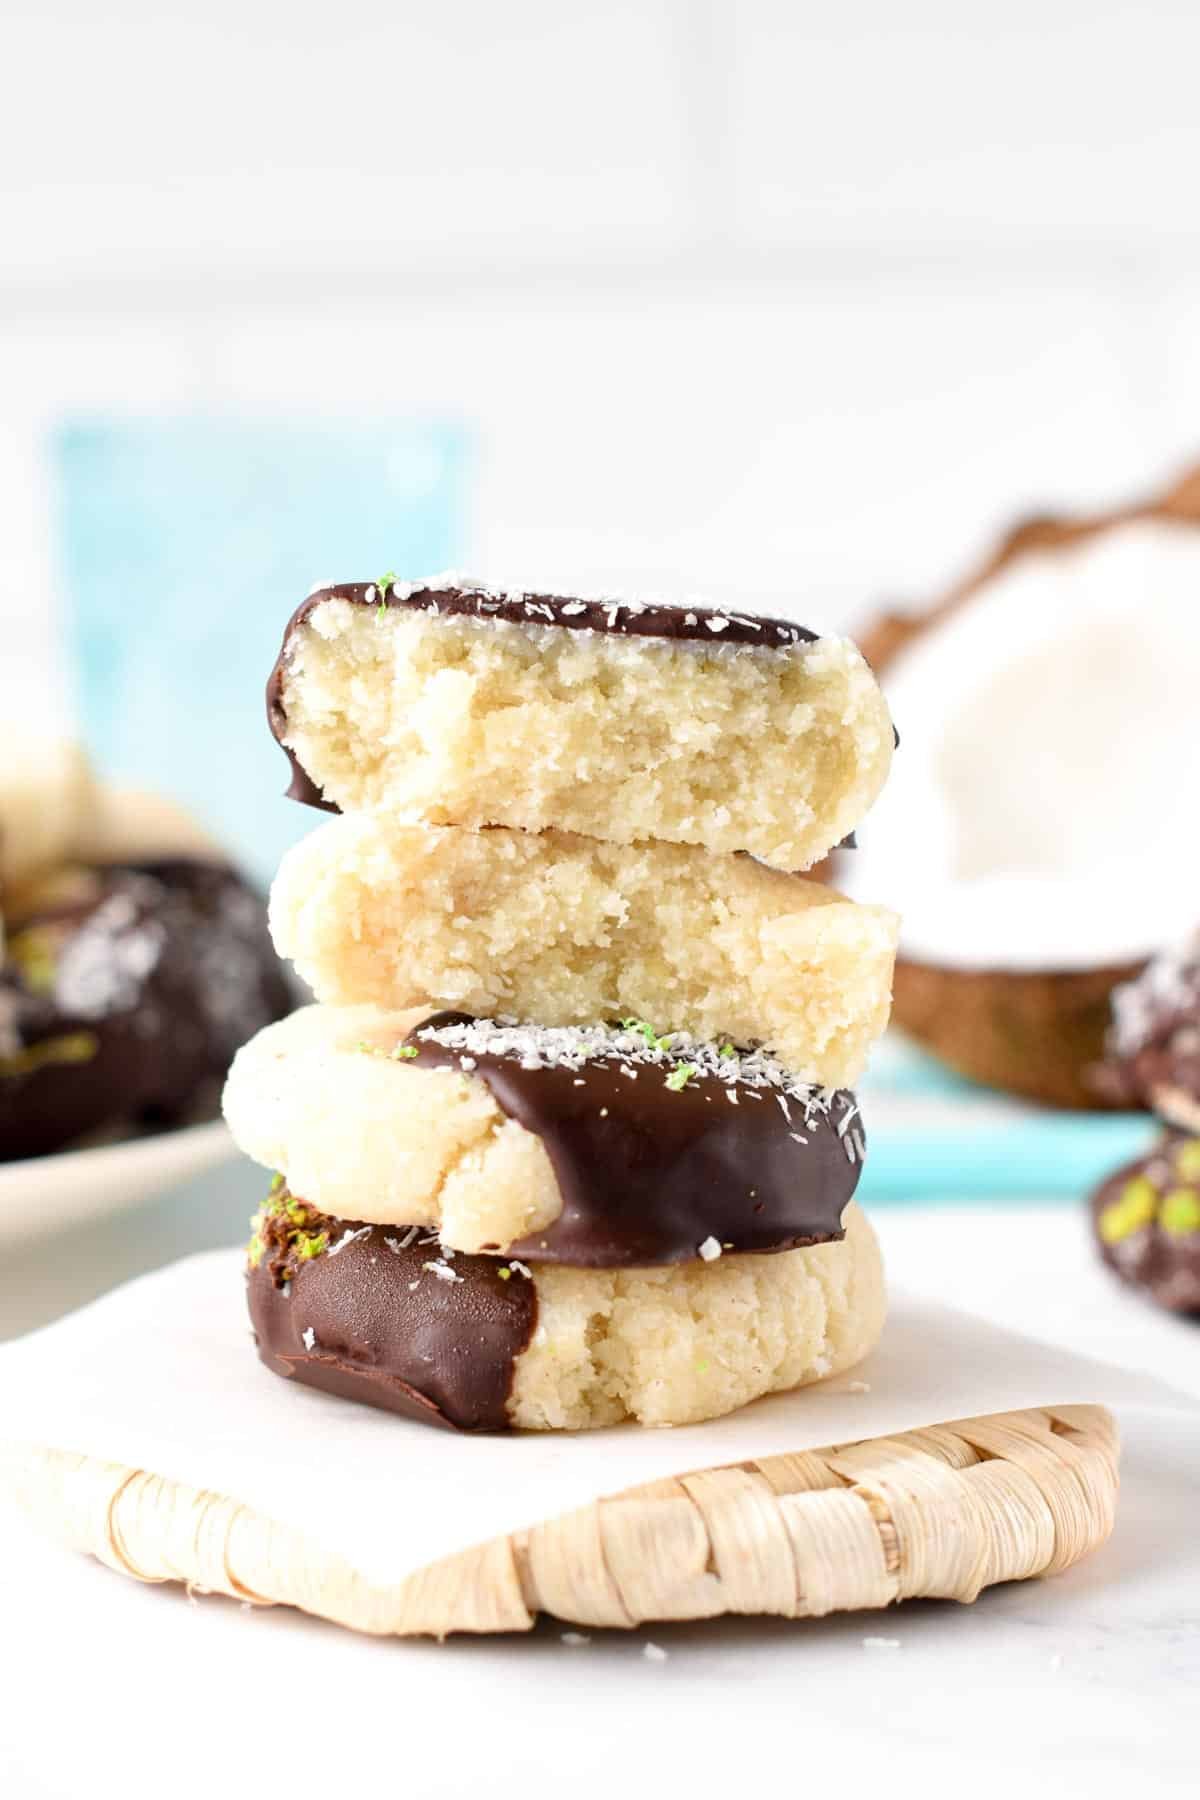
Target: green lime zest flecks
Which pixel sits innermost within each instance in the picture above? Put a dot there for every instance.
(678, 1079)
(382, 586)
(1135, 1207)
(649, 1032)
(401, 1053)
(1180, 1212)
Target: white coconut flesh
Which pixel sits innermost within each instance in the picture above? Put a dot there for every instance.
(1042, 809)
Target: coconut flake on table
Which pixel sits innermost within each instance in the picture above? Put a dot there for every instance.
(1039, 813)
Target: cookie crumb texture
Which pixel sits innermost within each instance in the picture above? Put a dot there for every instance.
(564, 930)
(369, 1314)
(364, 1136)
(476, 721)
(677, 1346)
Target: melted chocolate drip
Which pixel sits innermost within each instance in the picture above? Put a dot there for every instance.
(1163, 1264)
(648, 1173)
(124, 994)
(614, 618)
(370, 1321)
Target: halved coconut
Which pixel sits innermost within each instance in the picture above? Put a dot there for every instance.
(1038, 835)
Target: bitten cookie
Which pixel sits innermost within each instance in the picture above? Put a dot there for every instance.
(593, 1147)
(368, 1313)
(459, 704)
(1147, 1223)
(1153, 1048)
(565, 930)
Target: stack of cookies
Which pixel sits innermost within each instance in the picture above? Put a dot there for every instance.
(567, 1139)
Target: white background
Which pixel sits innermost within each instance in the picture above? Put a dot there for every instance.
(798, 304)
(787, 302)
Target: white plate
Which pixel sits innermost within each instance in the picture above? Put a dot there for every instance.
(44, 1193)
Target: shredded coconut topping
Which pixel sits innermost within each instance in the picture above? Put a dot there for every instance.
(752, 1070)
(348, 1237)
(443, 1271)
(1167, 987)
(549, 609)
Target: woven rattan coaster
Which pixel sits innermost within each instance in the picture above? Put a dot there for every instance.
(938, 1513)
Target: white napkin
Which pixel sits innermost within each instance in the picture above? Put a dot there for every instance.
(162, 1375)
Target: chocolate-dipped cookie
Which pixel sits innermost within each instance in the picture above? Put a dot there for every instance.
(620, 719)
(598, 1147)
(1153, 1048)
(124, 992)
(1147, 1223)
(387, 1316)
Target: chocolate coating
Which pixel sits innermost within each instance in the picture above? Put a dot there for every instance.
(1146, 1220)
(613, 618)
(648, 1173)
(368, 1319)
(1153, 1046)
(124, 994)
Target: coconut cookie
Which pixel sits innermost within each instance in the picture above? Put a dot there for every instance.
(124, 991)
(597, 1147)
(386, 1317)
(459, 704)
(564, 930)
(1147, 1222)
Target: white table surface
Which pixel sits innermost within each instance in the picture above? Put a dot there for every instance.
(1085, 1684)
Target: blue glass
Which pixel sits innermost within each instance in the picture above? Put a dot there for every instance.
(185, 544)
(935, 1137)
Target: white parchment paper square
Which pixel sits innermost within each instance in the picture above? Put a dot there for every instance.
(162, 1375)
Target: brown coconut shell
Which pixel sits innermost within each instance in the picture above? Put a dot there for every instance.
(1039, 1035)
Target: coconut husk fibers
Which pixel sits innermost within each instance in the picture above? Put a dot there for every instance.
(939, 1513)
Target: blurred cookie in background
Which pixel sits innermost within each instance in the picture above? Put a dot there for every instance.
(1146, 1219)
(1153, 1045)
(1049, 734)
(134, 959)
